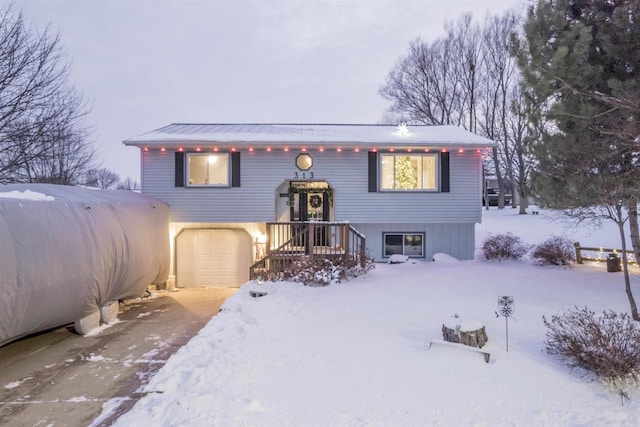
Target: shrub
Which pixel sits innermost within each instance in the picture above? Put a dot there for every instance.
(607, 344)
(503, 246)
(324, 271)
(554, 251)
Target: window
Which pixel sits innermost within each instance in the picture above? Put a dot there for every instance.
(208, 169)
(409, 244)
(408, 172)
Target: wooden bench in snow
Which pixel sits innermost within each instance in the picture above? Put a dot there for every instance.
(486, 354)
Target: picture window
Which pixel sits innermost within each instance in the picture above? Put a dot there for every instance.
(399, 172)
(208, 170)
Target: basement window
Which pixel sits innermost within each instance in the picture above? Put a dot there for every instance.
(408, 244)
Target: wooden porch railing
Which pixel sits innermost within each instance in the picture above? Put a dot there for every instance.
(293, 241)
(581, 257)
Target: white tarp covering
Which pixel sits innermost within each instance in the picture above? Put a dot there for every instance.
(65, 251)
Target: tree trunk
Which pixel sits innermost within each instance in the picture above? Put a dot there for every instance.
(625, 269)
(524, 203)
(633, 226)
(499, 177)
(472, 338)
(485, 190)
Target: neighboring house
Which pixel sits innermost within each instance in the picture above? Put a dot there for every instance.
(234, 189)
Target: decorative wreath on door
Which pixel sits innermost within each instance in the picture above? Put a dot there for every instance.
(315, 201)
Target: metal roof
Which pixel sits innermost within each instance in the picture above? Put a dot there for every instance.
(245, 134)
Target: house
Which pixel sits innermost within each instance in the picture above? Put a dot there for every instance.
(240, 192)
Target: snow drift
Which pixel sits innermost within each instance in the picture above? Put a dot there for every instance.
(65, 252)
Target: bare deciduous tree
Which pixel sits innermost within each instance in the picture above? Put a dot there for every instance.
(128, 184)
(424, 87)
(521, 135)
(43, 137)
(501, 117)
(101, 178)
(468, 78)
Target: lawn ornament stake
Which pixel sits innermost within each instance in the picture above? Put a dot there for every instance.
(505, 309)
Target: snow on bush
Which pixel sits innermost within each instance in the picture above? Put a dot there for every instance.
(324, 271)
(554, 251)
(503, 246)
(398, 259)
(607, 344)
(445, 258)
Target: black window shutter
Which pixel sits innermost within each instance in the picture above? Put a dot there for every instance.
(373, 172)
(303, 201)
(235, 169)
(444, 172)
(179, 169)
(326, 208)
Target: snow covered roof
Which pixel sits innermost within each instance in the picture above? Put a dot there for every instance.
(240, 134)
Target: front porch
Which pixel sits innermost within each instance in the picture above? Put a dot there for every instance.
(287, 242)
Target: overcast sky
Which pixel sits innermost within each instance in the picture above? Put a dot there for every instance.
(144, 64)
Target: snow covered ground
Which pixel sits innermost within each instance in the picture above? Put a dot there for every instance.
(357, 353)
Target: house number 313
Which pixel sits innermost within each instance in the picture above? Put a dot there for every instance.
(303, 175)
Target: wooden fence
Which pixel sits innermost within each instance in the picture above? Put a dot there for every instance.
(601, 254)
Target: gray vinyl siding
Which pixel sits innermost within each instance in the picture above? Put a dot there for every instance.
(457, 240)
(347, 172)
(355, 204)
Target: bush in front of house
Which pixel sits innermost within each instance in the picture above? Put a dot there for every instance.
(606, 344)
(325, 271)
(503, 246)
(554, 251)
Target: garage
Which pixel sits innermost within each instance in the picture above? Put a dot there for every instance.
(212, 258)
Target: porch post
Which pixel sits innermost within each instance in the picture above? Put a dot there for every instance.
(267, 248)
(345, 241)
(311, 233)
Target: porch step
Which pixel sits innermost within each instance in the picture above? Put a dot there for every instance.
(290, 242)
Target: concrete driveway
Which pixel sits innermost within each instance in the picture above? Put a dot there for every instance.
(59, 378)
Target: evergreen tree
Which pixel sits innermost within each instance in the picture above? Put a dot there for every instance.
(406, 174)
(576, 55)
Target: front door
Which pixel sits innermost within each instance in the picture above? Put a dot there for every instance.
(311, 203)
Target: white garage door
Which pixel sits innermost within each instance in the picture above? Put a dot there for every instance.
(213, 258)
